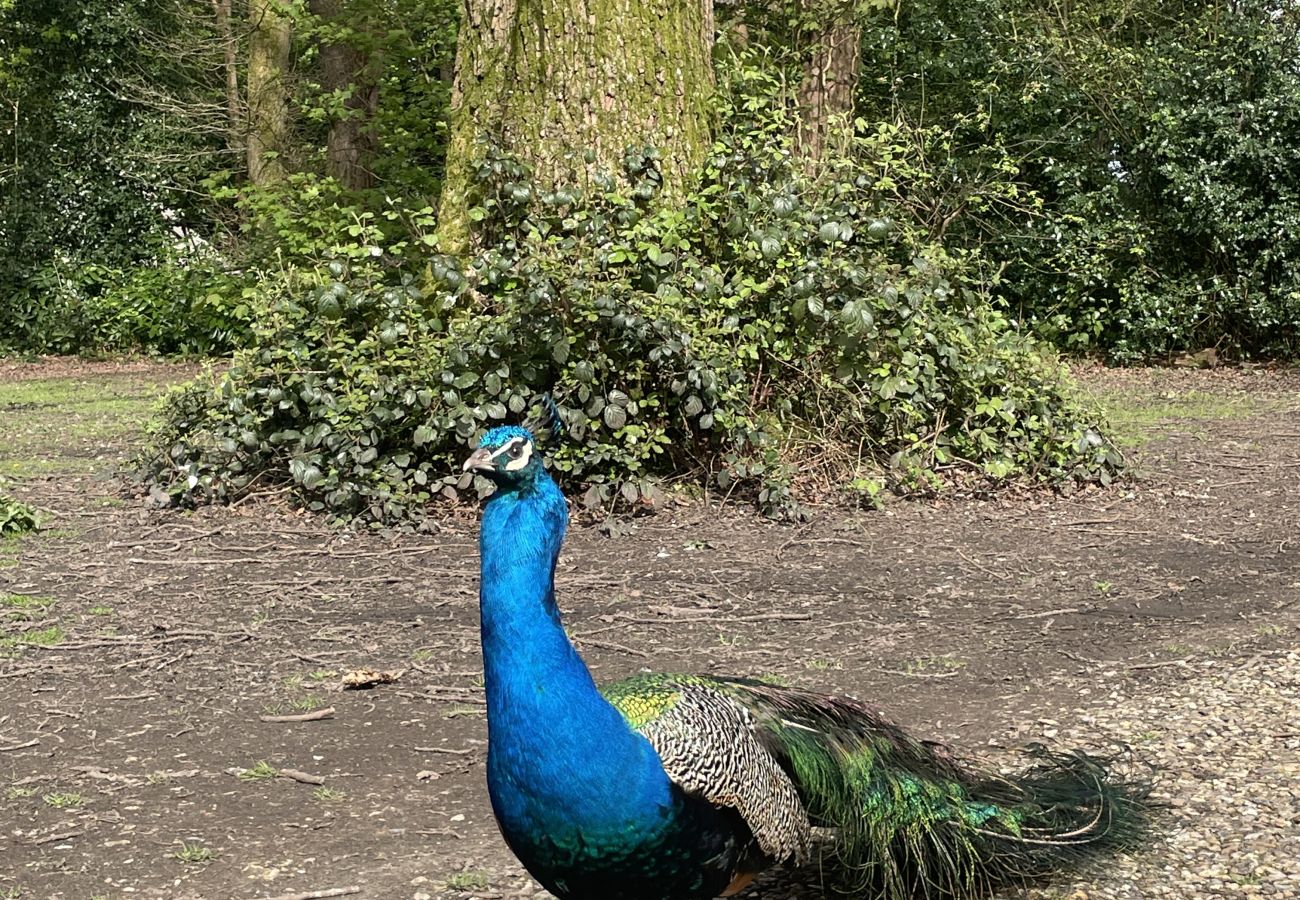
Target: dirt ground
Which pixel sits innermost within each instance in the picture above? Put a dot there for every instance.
(141, 650)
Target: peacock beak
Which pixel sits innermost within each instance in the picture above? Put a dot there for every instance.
(480, 460)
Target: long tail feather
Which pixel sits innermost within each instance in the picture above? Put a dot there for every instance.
(911, 821)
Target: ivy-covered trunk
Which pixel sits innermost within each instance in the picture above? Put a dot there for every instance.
(270, 30)
(349, 70)
(569, 85)
(831, 72)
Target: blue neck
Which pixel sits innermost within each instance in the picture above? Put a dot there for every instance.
(560, 759)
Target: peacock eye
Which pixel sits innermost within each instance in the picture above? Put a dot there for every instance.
(516, 450)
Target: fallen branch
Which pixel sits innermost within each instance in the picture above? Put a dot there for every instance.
(317, 895)
(313, 716)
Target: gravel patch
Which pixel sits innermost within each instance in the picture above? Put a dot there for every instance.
(1226, 746)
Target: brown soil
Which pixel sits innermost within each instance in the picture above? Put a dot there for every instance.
(982, 623)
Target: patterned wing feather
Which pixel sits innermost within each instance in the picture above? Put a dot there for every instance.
(708, 746)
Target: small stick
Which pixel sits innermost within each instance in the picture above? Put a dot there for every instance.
(317, 895)
(301, 777)
(443, 750)
(1050, 613)
(313, 716)
(32, 743)
(610, 645)
(49, 839)
(1159, 665)
(951, 674)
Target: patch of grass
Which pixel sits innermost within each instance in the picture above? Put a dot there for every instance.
(935, 664)
(1270, 630)
(63, 800)
(158, 777)
(321, 675)
(261, 771)
(306, 703)
(194, 853)
(100, 610)
(328, 795)
(12, 893)
(468, 881)
(1102, 587)
(421, 655)
(821, 664)
(18, 793)
(11, 547)
(1137, 418)
(110, 502)
(22, 606)
(40, 637)
(45, 420)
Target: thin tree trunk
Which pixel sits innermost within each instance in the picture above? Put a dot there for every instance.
(831, 74)
(268, 104)
(351, 144)
(230, 51)
(552, 80)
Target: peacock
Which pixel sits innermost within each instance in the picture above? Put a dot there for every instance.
(684, 787)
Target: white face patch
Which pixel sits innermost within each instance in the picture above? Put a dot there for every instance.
(516, 452)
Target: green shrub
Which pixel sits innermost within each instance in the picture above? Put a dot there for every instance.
(778, 333)
(166, 305)
(16, 518)
(1157, 138)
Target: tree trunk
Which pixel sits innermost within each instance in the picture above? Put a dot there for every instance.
(352, 72)
(268, 103)
(550, 80)
(830, 75)
(230, 51)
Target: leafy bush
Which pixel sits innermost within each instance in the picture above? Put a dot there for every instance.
(1157, 140)
(778, 333)
(166, 305)
(16, 518)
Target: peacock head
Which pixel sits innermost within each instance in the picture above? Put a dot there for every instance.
(506, 455)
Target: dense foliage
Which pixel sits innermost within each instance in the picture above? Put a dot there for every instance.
(95, 220)
(778, 333)
(1157, 140)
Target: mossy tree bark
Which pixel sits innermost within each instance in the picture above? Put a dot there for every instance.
(270, 30)
(552, 79)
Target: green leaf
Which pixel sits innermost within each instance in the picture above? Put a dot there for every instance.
(615, 416)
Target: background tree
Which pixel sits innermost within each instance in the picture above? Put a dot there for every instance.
(270, 31)
(569, 88)
(349, 73)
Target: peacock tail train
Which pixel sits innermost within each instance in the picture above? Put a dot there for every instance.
(907, 819)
